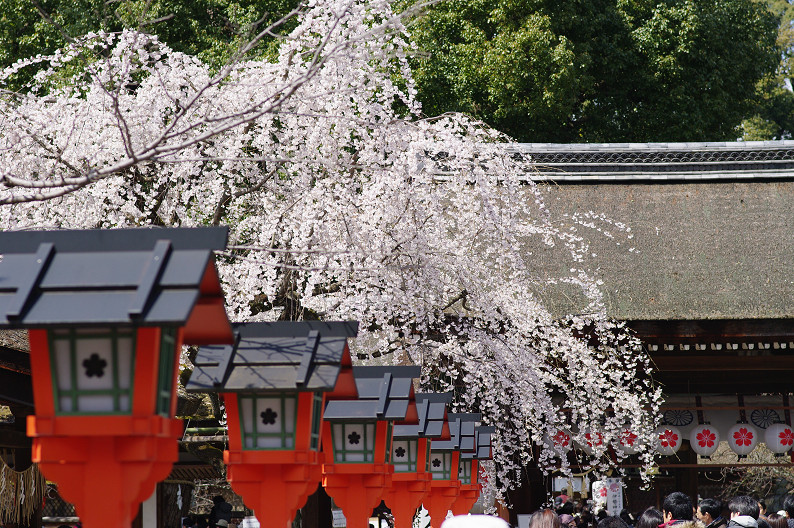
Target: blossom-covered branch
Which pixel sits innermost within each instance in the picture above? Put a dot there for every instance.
(344, 202)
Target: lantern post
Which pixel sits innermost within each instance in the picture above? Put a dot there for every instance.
(470, 471)
(444, 464)
(107, 312)
(357, 436)
(273, 381)
(410, 457)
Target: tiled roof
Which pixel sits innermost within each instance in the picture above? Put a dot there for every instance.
(659, 162)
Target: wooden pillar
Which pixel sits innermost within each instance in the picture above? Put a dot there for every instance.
(686, 479)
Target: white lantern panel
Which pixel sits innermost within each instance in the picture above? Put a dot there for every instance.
(441, 465)
(93, 370)
(668, 440)
(779, 438)
(404, 455)
(742, 438)
(268, 422)
(354, 442)
(704, 439)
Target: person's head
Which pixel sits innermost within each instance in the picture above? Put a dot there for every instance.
(544, 519)
(612, 522)
(708, 510)
(217, 499)
(761, 507)
(776, 521)
(627, 517)
(788, 505)
(650, 518)
(744, 505)
(677, 506)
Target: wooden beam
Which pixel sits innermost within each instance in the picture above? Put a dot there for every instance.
(725, 362)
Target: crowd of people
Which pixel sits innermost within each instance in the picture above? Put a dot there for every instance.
(678, 511)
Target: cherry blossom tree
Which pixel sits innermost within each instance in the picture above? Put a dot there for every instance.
(344, 202)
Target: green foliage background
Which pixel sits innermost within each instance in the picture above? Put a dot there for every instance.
(597, 70)
(539, 70)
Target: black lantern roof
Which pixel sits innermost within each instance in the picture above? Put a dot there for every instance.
(277, 356)
(432, 411)
(147, 277)
(384, 393)
(482, 435)
(462, 432)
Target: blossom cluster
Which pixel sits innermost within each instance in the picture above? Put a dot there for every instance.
(344, 202)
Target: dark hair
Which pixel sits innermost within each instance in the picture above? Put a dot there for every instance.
(217, 499)
(776, 521)
(544, 519)
(711, 506)
(762, 504)
(567, 507)
(744, 505)
(612, 522)
(788, 505)
(679, 505)
(650, 518)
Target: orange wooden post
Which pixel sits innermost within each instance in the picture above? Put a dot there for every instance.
(273, 381)
(470, 471)
(107, 313)
(445, 462)
(410, 453)
(357, 437)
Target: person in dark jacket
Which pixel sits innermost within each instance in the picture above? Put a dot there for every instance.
(788, 505)
(710, 513)
(744, 512)
(221, 513)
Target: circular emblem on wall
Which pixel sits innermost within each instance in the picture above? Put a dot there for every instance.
(763, 418)
(678, 417)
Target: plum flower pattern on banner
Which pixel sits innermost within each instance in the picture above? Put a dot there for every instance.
(706, 438)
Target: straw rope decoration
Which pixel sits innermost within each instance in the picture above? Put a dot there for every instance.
(20, 493)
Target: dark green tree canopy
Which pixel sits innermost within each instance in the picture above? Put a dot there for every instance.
(597, 70)
(210, 29)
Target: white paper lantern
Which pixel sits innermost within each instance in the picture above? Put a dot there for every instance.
(668, 440)
(742, 438)
(704, 439)
(628, 441)
(593, 443)
(561, 441)
(779, 438)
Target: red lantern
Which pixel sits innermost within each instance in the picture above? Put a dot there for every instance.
(108, 311)
(668, 440)
(445, 464)
(779, 438)
(357, 437)
(704, 439)
(470, 471)
(411, 457)
(742, 438)
(272, 381)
